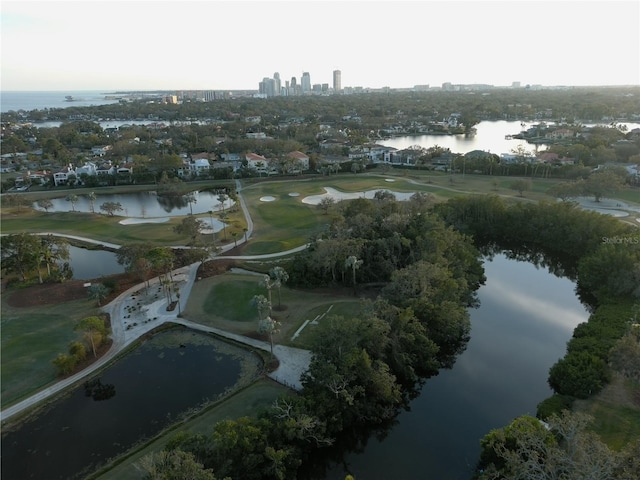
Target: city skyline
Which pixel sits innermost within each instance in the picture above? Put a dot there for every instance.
(219, 45)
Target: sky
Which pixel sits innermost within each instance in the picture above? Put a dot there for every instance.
(220, 45)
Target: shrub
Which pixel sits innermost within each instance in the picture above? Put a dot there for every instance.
(555, 404)
(579, 374)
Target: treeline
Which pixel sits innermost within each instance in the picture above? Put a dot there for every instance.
(424, 276)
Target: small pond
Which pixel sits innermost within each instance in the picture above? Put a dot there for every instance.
(168, 375)
(145, 204)
(88, 264)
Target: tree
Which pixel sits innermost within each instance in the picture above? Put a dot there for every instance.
(45, 204)
(94, 332)
(190, 226)
(268, 283)
(353, 263)
(603, 184)
(563, 448)
(280, 276)
(521, 186)
(221, 199)
(270, 327)
(92, 199)
(580, 374)
(20, 253)
(173, 465)
(65, 363)
(625, 355)
(73, 199)
(191, 198)
(263, 306)
(98, 292)
(110, 208)
(326, 203)
(54, 249)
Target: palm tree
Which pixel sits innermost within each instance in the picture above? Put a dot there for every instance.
(92, 199)
(269, 326)
(353, 263)
(281, 276)
(213, 230)
(98, 292)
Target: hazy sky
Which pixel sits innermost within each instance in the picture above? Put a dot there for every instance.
(126, 45)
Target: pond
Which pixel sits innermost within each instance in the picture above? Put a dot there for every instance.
(89, 264)
(174, 372)
(520, 330)
(145, 204)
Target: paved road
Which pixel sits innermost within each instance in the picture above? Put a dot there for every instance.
(292, 361)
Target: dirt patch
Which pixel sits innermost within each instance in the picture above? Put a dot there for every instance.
(56, 293)
(214, 267)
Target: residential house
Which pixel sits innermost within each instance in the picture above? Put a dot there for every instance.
(300, 160)
(63, 176)
(258, 163)
(89, 168)
(100, 151)
(562, 133)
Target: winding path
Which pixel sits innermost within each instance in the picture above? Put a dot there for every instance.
(293, 362)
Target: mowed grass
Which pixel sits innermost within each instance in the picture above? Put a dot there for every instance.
(93, 226)
(616, 412)
(31, 338)
(225, 302)
(246, 402)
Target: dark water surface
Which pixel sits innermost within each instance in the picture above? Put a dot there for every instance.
(520, 330)
(152, 386)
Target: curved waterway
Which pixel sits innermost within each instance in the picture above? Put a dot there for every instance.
(520, 330)
(150, 388)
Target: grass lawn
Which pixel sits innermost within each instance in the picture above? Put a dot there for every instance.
(31, 338)
(246, 402)
(225, 302)
(616, 412)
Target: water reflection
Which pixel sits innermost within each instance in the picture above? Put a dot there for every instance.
(144, 204)
(155, 384)
(520, 330)
(88, 264)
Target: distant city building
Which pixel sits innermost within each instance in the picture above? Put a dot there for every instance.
(278, 83)
(337, 81)
(305, 83)
(515, 85)
(293, 87)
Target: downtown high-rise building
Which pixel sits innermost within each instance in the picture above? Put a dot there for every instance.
(305, 83)
(278, 83)
(337, 81)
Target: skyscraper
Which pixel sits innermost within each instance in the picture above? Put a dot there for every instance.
(337, 81)
(305, 83)
(278, 84)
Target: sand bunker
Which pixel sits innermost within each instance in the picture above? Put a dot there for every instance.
(389, 180)
(294, 194)
(337, 195)
(268, 198)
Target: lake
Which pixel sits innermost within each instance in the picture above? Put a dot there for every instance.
(489, 137)
(174, 372)
(520, 330)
